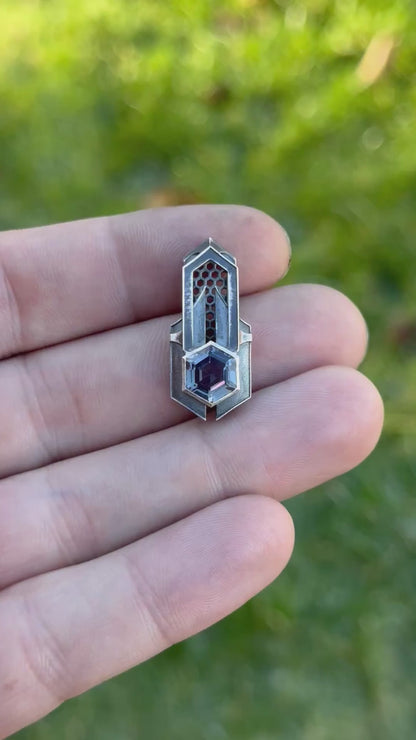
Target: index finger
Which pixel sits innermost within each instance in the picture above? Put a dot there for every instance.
(68, 280)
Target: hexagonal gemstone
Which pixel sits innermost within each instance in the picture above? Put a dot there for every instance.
(211, 373)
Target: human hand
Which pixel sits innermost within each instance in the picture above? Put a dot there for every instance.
(126, 525)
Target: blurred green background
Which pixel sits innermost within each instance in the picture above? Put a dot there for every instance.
(307, 110)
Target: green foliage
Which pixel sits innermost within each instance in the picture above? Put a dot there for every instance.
(307, 110)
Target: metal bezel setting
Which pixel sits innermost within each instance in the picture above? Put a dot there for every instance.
(210, 328)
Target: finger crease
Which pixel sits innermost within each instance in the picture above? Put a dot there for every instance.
(47, 441)
(116, 256)
(43, 654)
(72, 523)
(213, 465)
(13, 308)
(148, 601)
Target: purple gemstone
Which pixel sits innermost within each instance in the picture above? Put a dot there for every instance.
(209, 374)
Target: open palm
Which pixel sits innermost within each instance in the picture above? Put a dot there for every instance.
(126, 525)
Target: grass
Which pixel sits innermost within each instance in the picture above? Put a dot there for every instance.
(306, 110)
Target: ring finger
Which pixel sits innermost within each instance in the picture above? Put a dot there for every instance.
(290, 437)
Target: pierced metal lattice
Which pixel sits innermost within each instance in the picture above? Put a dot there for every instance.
(211, 279)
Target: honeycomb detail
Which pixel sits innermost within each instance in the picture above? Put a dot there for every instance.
(210, 278)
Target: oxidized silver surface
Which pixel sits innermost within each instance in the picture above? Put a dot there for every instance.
(210, 346)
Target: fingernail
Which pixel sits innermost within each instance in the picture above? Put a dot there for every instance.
(289, 244)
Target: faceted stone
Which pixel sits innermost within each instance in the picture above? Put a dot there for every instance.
(211, 373)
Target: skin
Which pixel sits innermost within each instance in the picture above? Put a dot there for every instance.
(127, 525)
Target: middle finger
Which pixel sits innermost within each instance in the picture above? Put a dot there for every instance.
(106, 389)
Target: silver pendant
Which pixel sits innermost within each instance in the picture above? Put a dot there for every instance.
(210, 346)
